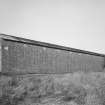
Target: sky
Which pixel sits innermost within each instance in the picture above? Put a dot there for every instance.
(77, 24)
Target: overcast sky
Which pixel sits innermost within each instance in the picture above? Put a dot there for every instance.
(74, 23)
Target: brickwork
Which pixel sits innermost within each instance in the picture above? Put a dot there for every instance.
(20, 57)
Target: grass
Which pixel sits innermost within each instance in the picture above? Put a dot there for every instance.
(76, 88)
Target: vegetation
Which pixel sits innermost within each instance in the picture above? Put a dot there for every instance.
(68, 89)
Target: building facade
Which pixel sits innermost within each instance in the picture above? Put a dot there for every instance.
(19, 55)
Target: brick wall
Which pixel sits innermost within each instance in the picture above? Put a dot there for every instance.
(20, 57)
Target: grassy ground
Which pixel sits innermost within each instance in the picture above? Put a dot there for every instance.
(68, 89)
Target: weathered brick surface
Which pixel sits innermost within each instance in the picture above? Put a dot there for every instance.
(69, 89)
(26, 58)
